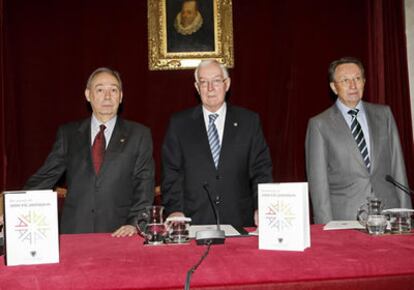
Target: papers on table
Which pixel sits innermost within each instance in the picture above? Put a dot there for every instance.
(284, 216)
(31, 227)
(229, 230)
(343, 225)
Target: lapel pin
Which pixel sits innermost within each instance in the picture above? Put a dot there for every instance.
(122, 140)
(235, 124)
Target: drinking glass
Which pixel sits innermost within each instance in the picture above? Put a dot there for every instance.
(373, 206)
(155, 230)
(376, 224)
(178, 229)
(400, 219)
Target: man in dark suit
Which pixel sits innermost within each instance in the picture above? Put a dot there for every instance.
(109, 170)
(226, 152)
(350, 148)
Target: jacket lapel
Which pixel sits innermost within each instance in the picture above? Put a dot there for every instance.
(116, 144)
(231, 129)
(374, 134)
(84, 143)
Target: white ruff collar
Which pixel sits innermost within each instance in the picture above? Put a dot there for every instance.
(190, 29)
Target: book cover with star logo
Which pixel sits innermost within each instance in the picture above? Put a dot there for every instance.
(284, 216)
(31, 227)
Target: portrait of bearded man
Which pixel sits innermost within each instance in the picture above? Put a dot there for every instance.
(189, 19)
(190, 26)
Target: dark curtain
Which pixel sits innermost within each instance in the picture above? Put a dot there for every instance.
(282, 51)
(3, 152)
(388, 68)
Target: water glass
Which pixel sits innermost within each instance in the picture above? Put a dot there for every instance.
(373, 206)
(376, 224)
(178, 229)
(400, 223)
(400, 219)
(155, 230)
(155, 234)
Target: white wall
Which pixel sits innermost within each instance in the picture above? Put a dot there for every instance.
(409, 30)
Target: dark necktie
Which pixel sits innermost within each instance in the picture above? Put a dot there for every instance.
(213, 138)
(98, 149)
(359, 137)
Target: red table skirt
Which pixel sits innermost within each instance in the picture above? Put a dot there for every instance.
(346, 259)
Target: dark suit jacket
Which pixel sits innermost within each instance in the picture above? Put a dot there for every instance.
(187, 165)
(118, 194)
(339, 181)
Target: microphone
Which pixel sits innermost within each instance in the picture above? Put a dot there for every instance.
(401, 186)
(211, 237)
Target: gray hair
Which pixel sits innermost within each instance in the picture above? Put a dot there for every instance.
(207, 62)
(100, 70)
(344, 60)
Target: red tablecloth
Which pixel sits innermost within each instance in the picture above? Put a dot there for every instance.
(346, 259)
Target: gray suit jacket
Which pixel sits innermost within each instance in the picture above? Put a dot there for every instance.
(115, 197)
(339, 181)
(187, 165)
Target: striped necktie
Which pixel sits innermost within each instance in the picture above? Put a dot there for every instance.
(359, 137)
(213, 139)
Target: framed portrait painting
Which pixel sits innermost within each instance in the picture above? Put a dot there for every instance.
(181, 33)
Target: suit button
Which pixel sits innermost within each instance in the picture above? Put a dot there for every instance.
(218, 177)
(93, 211)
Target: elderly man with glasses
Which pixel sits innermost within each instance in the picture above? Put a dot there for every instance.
(214, 148)
(350, 149)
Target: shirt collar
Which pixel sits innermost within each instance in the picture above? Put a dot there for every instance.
(219, 111)
(344, 109)
(96, 123)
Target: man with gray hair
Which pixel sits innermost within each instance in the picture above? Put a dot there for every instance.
(108, 164)
(350, 149)
(214, 147)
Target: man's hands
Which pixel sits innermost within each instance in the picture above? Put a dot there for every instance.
(256, 218)
(128, 230)
(176, 213)
(125, 231)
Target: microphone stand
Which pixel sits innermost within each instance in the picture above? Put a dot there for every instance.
(206, 237)
(399, 185)
(193, 268)
(213, 237)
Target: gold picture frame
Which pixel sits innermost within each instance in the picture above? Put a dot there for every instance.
(172, 46)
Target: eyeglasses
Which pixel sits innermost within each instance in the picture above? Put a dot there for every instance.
(216, 83)
(347, 82)
(103, 90)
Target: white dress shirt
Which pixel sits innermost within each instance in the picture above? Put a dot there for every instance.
(110, 125)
